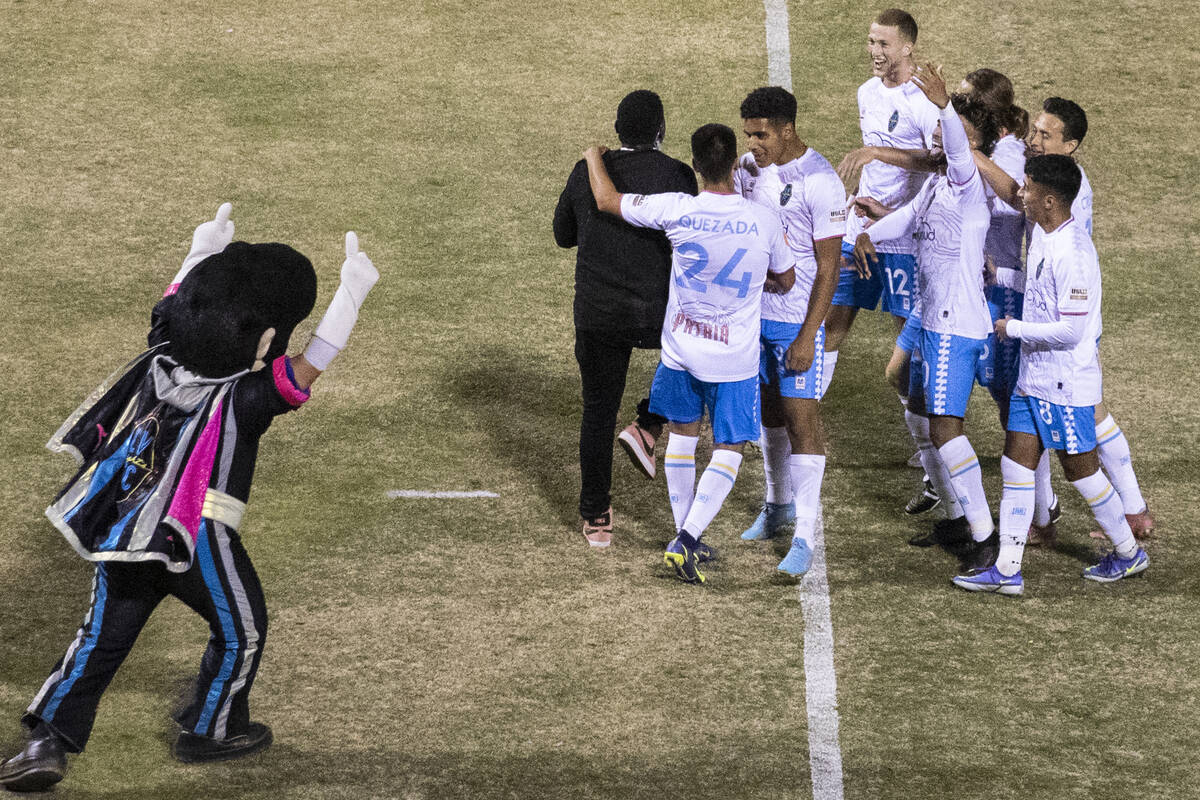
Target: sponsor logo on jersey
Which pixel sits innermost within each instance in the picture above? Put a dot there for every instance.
(892, 122)
(785, 195)
(1080, 295)
(639, 199)
(839, 215)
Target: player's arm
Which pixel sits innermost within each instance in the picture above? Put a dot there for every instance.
(960, 164)
(1001, 182)
(1074, 305)
(566, 226)
(828, 253)
(358, 276)
(912, 160)
(608, 199)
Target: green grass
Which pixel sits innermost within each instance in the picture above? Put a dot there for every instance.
(425, 649)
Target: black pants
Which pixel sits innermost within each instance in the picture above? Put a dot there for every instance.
(603, 358)
(221, 586)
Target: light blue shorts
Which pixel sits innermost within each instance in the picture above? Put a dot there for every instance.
(907, 340)
(732, 407)
(776, 338)
(1006, 355)
(891, 278)
(950, 365)
(1069, 428)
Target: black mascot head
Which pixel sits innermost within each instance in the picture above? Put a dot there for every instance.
(231, 298)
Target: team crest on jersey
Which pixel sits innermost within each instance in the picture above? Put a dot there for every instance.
(1041, 264)
(893, 121)
(785, 195)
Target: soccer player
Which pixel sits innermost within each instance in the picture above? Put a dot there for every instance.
(1058, 385)
(798, 184)
(1059, 130)
(892, 112)
(949, 219)
(724, 246)
(621, 276)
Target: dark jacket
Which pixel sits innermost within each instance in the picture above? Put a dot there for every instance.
(621, 272)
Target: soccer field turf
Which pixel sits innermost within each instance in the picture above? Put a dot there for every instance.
(448, 648)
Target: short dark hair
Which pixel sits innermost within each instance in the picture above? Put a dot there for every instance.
(981, 118)
(995, 91)
(773, 103)
(1073, 119)
(229, 299)
(714, 151)
(901, 20)
(1058, 173)
(640, 118)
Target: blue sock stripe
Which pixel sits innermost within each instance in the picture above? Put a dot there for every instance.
(723, 472)
(973, 465)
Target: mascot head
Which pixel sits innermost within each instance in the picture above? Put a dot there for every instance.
(239, 307)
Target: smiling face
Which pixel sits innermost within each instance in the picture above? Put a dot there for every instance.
(1036, 200)
(1046, 137)
(891, 54)
(767, 142)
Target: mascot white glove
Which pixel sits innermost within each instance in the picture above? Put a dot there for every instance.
(358, 276)
(209, 238)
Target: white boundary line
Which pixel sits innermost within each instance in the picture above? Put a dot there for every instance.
(416, 493)
(820, 677)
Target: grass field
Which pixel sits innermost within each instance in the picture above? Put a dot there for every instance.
(476, 648)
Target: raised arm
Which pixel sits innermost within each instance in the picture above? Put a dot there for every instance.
(912, 160)
(1000, 181)
(608, 199)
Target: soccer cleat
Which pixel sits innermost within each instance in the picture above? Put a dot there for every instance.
(1055, 511)
(684, 559)
(927, 500)
(1113, 568)
(978, 556)
(40, 765)
(990, 580)
(769, 521)
(946, 532)
(598, 530)
(705, 553)
(1042, 535)
(798, 558)
(639, 445)
(191, 748)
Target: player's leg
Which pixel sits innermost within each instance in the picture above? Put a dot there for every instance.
(639, 438)
(899, 373)
(603, 358)
(1117, 461)
(852, 293)
(60, 718)
(778, 511)
(224, 589)
(954, 528)
(674, 395)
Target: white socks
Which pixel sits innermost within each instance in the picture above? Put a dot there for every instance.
(1109, 512)
(679, 464)
(931, 460)
(1016, 510)
(1043, 492)
(807, 473)
(776, 448)
(1118, 465)
(711, 492)
(967, 481)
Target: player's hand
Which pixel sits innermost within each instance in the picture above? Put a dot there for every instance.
(748, 163)
(864, 255)
(852, 163)
(595, 151)
(358, 273)
(800, 353)
(929, 80)
(1001, 328)
(869, 207)
(772, 285)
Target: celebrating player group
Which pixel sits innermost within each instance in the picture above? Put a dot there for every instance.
(966, 222)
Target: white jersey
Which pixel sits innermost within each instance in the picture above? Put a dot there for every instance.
(1063, 279)
(810, 200)
(1081, 209)
(901, 117)
(1004, 237)
(723, 245)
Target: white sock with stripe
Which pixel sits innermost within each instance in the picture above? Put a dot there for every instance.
(712, 490)
(1117, 461)
(1106, 507)
(776, 448)
(1016, 507)
(1043, 492)
(679, 463)
(966, 478)
(931, 460)
(808, 471)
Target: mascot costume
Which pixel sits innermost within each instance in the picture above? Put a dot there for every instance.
(166, 449)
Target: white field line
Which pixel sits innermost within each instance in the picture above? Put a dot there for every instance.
(416, 493)
(820, 678)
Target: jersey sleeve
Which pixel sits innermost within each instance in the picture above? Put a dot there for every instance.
(1075, 291)
(649, 210)
(828, 203)
(1012, 161)
(263, 395)
(782, 258)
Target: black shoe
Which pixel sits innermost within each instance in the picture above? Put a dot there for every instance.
(1055, 511)
(927, 500)
(193, 749)
(948, 533)
(979, 556)
(705, 552)
(39, 766)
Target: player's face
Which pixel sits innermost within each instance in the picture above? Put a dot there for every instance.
(1046, 137)
(1033, 198)
(888, 50)
(766, 142)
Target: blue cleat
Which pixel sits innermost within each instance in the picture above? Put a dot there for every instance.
(684, 560)
(768, 522)
(1113, 568)
(990, 580)
(798, 558)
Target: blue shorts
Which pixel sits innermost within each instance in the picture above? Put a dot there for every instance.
(733, 407)
(891, 278)
(1068, 428)
(1006, 355)
(907, 340)
(950, 367)
(775, 339)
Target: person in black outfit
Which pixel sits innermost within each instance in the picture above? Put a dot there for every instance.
(621, 275)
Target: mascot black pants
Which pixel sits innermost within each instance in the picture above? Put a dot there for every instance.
(221, 586)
